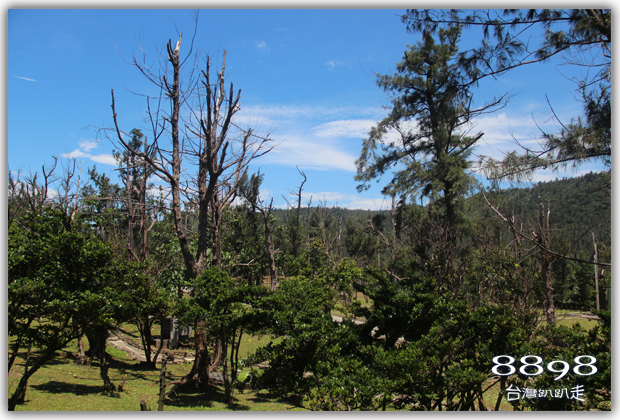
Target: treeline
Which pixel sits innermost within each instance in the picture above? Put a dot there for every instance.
(579, 207)
(405, 271)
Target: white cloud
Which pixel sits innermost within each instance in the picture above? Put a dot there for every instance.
(502, 132)
(25, 78)
(309, 153)
(159, 191)
(367, 204)
(84, 149)
(287, 112)
(344, 128)
(88, 145)
(501, 127)
(331, 64)
(311, 136)
(106, 159)
(266, 118)
(77, 153)
(261, 45)
(531, 106)
(265, 194)
(349, 201)
(568, 172)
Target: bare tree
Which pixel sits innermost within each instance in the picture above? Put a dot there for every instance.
(250, 191)
(542, 237)
(511, 221)
(32, 192)
(207, 153)
(295, 223)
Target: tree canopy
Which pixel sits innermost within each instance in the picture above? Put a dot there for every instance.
(510, 40)
(425, 138)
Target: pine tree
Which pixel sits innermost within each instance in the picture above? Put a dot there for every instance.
(425, 136)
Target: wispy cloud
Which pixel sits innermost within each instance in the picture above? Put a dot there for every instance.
(344, 128)
(84, 149)
(312, 136)
(25, 78)
(51, 193)
(503, 133)
(106, 159)
(332, 64)
(77, 153)
(261, 45)
(88, 145)
(308, 152)
(349, 201)
(275, 115)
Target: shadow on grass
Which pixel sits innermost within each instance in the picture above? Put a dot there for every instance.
(132, 335)
(55, 361)
(266, 397)
(202, 398)
(57, 387)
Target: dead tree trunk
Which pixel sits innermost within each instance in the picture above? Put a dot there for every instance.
(269, 249)
(598, 299)
(143, 228)
(204, 138)
(296, 227)
(162, 387)
(543, 239)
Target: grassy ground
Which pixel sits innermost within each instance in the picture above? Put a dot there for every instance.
(63, 385)
(567, 318)
(587, 324)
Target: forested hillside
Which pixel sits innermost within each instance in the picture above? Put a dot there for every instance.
(578, 205)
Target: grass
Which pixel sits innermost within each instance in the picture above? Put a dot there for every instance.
(62, 385)
(249, 344)
(586, 324)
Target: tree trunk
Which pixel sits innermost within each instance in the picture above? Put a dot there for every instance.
(217, 233)
(144, 325)
(16, 346)
(227, 388)
(97, 337)
(598, 296)
(543, 240)
(81, 359)
(502, 388)
(199, 374)
(144, 230)
(130, 215)
(202, 354)
(270, 254)
(162, 386)
(19, 394)
(218, 355)
(107, 383)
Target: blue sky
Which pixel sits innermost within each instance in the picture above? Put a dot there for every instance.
(306, 76)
